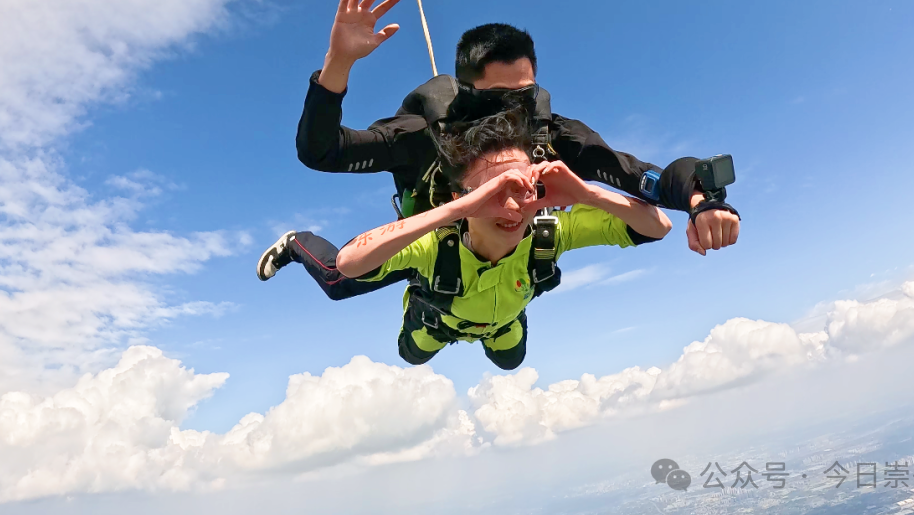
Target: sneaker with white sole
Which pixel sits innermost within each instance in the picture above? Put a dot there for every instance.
(275, 257)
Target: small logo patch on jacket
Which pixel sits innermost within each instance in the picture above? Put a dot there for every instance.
(521, 286)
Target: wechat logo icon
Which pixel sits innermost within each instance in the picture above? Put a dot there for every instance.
(668, 471)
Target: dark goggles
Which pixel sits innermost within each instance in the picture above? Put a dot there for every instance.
(498, 94)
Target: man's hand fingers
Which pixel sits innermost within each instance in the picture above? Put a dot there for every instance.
(385, 33)
(725, 233)
(383, 7)
(716, 232)
(343, 6)
(692, 236)
(717, 229)
(704, 232)
(365, 6)
(352, 6)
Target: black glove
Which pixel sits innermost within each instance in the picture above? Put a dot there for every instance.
(707, 205)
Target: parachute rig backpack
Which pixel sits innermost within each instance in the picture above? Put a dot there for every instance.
(431, 101)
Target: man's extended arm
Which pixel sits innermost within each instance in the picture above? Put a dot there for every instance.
(590, 158)
(323, 144)
(565, 188)
(585, 152)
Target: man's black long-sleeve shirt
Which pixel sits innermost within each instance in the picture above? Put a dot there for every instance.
(404, 146)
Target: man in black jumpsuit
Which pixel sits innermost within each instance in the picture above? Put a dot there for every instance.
(492, 60)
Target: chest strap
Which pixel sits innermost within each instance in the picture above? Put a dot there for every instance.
(447, 276)
(543, 271)
(541, 267)
(447, 283)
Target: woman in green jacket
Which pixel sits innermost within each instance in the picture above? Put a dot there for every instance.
(480, 259)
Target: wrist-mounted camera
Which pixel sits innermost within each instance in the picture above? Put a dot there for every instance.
(714, 174)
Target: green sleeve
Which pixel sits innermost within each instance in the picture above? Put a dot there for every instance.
(419, 255)
(586, 226)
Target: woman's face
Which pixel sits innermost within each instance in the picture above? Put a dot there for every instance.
(483, 170)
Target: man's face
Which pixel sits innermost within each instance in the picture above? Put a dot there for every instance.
(515, 75)
(488, 168)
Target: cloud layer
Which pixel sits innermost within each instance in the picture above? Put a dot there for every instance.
(120, 429)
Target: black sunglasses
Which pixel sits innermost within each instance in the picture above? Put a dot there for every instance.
(527, 92)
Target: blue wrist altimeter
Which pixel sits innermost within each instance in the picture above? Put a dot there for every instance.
(650, 185)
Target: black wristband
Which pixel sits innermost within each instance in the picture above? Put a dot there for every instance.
(706, 205)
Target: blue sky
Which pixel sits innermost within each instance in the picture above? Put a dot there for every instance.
(813, 100)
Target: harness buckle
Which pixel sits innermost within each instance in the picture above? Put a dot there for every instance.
(393, 202)
(429, 176)
(539, 153)
(428, 324)
(537, 280)
(438, 281)
(549, 219)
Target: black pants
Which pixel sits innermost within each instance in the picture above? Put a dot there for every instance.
(319, 258)
(507, 359)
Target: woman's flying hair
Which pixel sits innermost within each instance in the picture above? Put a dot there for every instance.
(463, 143)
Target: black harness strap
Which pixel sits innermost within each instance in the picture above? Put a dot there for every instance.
(447, 278)
(544, 273)
(542, 144)
(429, 301)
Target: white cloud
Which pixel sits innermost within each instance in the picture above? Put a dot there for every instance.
(586, 276)
(735, 353)
(141, 183)
(624, 277)
(515, 412)
(119, 429)
(854, 326)
(72, 272)
(60, 56)
(107, 433)
(908, 289)
(592, 275)
(359, 409)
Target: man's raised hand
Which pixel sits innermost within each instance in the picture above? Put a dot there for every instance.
(353, 36)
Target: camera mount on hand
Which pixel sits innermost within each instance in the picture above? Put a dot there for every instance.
(714, 175)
